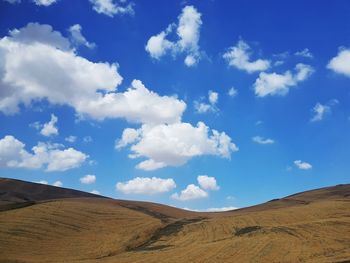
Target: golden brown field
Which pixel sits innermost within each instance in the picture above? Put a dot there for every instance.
(312, 226)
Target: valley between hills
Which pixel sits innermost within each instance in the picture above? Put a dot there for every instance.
(41, 223)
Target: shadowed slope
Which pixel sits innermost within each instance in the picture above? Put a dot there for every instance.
(17, 193)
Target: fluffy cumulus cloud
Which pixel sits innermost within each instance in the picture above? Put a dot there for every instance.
(36, 33)
(77, 37)
(207, 182)
(188, 33)
(49, 156)
(174, 144)
(279, 84)
(191, 192)
(58, 184)
(37, 63)
(62, 160)
(262, 140)
(341, 63)
(146, 186)
(112, 8)
(203, 107)
(129, 136)
(49, 128)
(88, 179)
(302, 165)
(321, 110)
(239, 56)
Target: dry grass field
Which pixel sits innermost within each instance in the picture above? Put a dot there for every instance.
(41, 223)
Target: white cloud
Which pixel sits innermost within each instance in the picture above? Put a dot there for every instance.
(14, 155)
(239, 56)
(146, 186)
(45, 2)
(321, 110)
(62, 160)
(71, 139)
(279, 84)
(213, 209)
(58, 184)
(175, 144)
(37, 33)
(49, 128)
(188, 32)
(88, 179)
(232, 92)
(220, 209)
(150, 165)
(188, 29)
(129, 136)
(304, 53)
(42, 182)
(190, 193)
(190, 61)
(95, 192)
(262, 140)
(302, 165)
(208, 183)
(158, 45)
(341, 63)
(36, 65)
(213, 97)
(202, 107)
(138, 104)
(111, 8)
(78, 38)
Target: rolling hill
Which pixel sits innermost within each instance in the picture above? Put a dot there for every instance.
(41, 223)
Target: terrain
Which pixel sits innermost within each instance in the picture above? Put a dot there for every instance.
(41, 223)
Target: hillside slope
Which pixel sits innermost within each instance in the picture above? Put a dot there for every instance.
(313, 226)
(17, 193)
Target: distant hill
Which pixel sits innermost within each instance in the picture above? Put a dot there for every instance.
(17, 193)
(338, 192)
(42, 223)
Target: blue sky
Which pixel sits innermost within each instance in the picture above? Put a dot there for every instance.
(196, 104)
